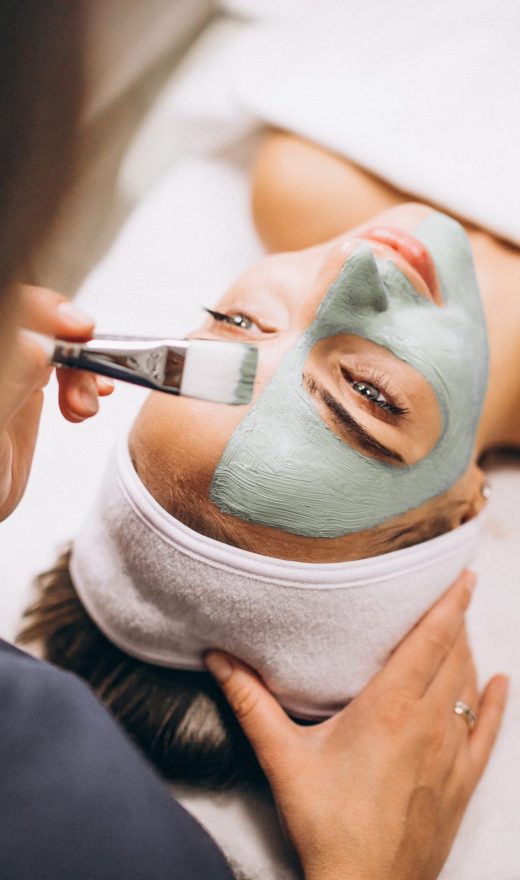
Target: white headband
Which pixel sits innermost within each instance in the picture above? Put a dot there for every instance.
(315, 632)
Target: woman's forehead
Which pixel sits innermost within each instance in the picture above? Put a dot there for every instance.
(293, 278)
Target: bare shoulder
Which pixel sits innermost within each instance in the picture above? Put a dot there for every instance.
(303, 194)
(497, 265)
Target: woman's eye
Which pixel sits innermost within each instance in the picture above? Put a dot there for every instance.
(370, 392)
(235, 320)
(241, 321)
(375, 396)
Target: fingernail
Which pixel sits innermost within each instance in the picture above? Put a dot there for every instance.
(505, 684)
(219, 666)
(89, 398)
(73, 315)
(104, 384)
(471, 581)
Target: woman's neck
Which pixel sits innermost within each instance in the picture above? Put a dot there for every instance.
(498, 271)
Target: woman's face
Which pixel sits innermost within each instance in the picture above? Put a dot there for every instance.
(324, 377)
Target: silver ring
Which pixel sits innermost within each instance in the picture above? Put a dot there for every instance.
(461, 708)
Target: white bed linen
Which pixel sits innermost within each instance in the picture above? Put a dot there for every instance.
(181, 246)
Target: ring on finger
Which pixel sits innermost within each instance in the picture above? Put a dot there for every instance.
(467, 713)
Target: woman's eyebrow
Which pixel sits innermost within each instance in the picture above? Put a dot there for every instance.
(366, 440)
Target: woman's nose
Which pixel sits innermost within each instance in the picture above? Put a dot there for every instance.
(360, 283)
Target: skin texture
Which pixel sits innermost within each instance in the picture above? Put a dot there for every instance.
(282, 293)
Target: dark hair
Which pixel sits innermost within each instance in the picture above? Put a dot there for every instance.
(179, 719)
(40, 98)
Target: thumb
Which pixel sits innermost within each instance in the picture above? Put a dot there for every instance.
(260, 716)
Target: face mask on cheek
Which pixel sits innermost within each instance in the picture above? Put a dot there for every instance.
(284, 468)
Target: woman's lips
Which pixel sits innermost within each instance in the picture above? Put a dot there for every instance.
(413, 251)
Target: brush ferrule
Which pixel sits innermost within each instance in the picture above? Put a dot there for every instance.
(148, 362)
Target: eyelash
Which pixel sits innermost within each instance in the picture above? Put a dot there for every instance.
(234, 320)
(370, 377)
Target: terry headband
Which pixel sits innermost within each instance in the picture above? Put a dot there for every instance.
(315, 633)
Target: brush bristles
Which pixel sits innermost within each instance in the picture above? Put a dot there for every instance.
(219, 371)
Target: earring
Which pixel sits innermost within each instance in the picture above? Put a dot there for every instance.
(485, 490)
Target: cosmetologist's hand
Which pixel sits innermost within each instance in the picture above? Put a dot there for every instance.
(377, 792)
(21, 394)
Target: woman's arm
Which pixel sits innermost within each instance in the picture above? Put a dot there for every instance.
(377, 792)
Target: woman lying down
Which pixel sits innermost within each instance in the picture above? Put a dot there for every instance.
(308, 532)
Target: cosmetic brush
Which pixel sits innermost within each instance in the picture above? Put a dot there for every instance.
(203, 368)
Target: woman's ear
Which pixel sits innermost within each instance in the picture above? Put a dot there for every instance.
(475, 492)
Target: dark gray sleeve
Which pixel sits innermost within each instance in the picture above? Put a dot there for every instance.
(77, 800)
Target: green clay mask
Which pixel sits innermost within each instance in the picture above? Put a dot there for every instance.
(283, 467)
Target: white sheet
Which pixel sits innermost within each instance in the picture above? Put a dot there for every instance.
(182, 245)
